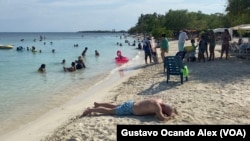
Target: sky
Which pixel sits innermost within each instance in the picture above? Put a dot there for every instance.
(85, 15)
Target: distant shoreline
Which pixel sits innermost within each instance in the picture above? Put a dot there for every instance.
(102, 31)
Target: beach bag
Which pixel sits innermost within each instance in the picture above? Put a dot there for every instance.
(185, 71)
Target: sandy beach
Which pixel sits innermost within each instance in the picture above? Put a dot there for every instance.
(217, 92)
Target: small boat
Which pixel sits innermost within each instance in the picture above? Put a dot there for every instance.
(6, 46)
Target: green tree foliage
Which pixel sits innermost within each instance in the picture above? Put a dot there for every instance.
(156, 24)
(238, 12)
(176, 19)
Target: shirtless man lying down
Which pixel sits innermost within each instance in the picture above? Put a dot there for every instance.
(150, 106)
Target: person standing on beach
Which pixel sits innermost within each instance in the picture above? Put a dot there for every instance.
(212, 43)
(226, 38)
(164, 46)
(153, 48)
(181, 40)
(202, 48)
(150, 106)
(147, 50)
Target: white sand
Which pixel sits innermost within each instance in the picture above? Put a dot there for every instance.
(217, 93)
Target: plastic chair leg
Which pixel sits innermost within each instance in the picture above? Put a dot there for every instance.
(181, 79)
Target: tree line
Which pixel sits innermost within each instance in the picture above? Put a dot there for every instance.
(237, 12)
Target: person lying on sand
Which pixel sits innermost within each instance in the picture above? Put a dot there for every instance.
(145, 107)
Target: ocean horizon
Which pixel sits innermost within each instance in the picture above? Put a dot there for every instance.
(25, 94)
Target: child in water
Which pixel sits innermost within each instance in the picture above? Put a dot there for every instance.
(97, 53)
(119, 54)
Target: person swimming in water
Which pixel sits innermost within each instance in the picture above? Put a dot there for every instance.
(84, 51)
(119, 54)
(70, 69)
(42, 68)
(63, 61)
(97, 53)
(80, 63)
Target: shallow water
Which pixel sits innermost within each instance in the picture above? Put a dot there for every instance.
(25, 93)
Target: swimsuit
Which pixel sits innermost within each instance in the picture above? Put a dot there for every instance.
(125, 109)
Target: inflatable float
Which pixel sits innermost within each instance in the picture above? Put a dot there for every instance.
(120, 59)
(33, 50)
(6, 46)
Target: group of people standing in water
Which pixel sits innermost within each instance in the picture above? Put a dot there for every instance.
(75, 65)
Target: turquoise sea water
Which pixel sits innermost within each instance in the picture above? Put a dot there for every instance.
(24, 93)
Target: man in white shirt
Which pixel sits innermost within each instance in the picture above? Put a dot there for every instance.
(181, 40)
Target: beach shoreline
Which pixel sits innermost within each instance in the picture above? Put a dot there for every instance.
(44, 125)
(48, 122)
(217, 92)
(26, 94)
